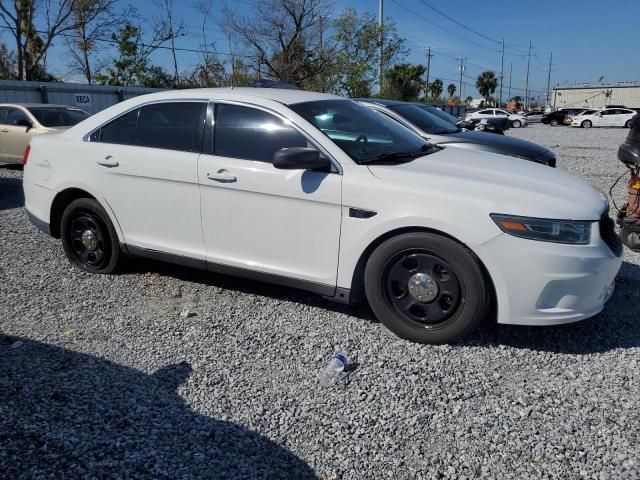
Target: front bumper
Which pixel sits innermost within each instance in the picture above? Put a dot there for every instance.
(541, 283)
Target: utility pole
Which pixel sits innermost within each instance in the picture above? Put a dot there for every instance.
(549, 80)
(381, 40)
(526, 86)
(461, 72)
(501, 73)
(510, 72)
(428, 67)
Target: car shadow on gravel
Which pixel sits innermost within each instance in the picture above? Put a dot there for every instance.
(11, 194)
(65, 414)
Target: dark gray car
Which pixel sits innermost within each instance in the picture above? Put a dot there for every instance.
(440, 132)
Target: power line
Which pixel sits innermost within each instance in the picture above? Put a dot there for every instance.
(428, 5)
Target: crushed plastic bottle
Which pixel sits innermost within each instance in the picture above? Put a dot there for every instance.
(332, 371)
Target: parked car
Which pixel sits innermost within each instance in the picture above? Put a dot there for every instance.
(20, 122)
(534, 117)
(517, 120)
(322, 193)
(494, 125)
(556, 118)
(608, 117)
(435, 130)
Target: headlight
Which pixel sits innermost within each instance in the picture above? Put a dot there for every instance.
(544, 229)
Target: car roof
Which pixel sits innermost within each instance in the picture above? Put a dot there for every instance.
(280, 95)
(381, 101)
(35, 105)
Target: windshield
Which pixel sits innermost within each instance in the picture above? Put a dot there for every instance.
(447, 117)
(363, 134)
(425, 121)
(58, 116)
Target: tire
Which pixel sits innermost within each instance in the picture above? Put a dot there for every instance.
(516, 124)
(586, 124)
(553, 123)
(628, 124)
(451, 301)
(88, 237)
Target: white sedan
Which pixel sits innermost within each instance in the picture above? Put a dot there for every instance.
(321, 193)
(516, 119)
(607, 117)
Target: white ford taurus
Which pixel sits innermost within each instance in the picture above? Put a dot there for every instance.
(317, 192)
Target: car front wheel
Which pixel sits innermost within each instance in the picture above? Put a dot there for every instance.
(88, 237)
(516, 124)
(628, 124)
(554, 123)
(586, 124)
(426, 288)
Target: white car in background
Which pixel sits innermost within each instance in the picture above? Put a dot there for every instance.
(318, 192)
(607, 117)
(516, 119)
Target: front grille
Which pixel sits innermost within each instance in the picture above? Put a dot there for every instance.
(609, 235)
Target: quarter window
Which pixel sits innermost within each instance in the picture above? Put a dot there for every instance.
(252, 134)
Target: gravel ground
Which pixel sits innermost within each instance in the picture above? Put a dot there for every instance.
(101, 377)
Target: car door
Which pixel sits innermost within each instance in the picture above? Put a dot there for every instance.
(255, 217)
(601, 118)
(15, 135)
(3, 148)
(146, 170)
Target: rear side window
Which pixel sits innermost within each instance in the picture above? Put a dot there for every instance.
(170, 126)
(3, 114)
(252, 134)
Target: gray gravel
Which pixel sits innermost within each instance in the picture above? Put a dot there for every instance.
(112, 382)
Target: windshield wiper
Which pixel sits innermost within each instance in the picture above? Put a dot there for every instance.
(393, 156)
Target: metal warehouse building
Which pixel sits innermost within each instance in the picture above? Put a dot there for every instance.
(91, 98)
(597, 96)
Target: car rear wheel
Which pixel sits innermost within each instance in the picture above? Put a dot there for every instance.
(628, 124)
(516, 124)
(586, 124)
(426, 288)
(554, 123)
(88, 237)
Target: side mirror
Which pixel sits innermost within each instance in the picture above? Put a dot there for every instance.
(300, 158)
(25, 123)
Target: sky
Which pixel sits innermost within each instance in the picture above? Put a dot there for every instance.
(589, 38)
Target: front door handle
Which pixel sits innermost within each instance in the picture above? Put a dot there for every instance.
(221, 175)
(108, 161)
(5, 130)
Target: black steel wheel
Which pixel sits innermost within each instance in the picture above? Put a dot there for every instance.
(426, 288)
(88, 237)
(554, 122)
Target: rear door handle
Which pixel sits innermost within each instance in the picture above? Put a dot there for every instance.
(5, 130)
(108, 161)
(221, 175)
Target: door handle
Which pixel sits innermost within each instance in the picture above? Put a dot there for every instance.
(108, 161)
(221, 175)
(5, 130)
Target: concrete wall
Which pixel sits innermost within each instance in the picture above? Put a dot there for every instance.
(596, 96)
(91, 98)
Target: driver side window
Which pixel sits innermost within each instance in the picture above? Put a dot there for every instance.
(15, 116)
(252, 134)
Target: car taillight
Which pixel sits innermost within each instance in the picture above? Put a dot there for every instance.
(26, 155)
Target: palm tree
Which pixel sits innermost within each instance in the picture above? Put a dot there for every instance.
(451, 88)
(436, 88)
(486, 84)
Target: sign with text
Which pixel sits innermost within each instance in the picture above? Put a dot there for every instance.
(83, 100)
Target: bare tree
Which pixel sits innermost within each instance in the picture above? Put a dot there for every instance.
(95, 21)
(174, 28)
(284, 36)
(32, 45)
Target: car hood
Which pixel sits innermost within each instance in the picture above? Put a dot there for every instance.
(501, 144)
(490, 183)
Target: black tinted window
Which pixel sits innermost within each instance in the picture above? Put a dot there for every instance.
(121, 131)
(251, 134)
(172, 126)
(424, 120)
(58, 116)
(3, 114)
(16, 115)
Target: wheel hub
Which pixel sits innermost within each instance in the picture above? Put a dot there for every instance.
(423, 287)
(89, 240)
